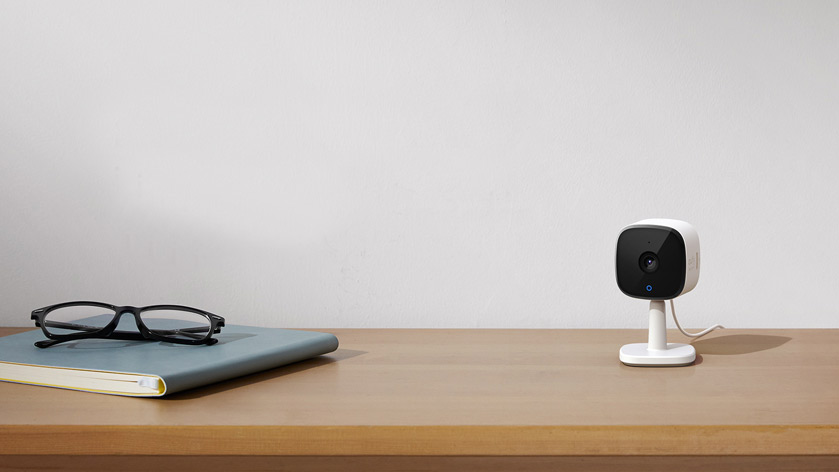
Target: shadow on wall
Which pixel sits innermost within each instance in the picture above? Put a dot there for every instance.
(739, 344)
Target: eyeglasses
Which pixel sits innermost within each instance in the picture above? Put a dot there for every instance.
(169, 323)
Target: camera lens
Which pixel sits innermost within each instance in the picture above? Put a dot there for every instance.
(648, 262)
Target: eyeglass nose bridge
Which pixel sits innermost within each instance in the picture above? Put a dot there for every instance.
(127, 310)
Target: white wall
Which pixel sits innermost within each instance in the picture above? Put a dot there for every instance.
(417, 164)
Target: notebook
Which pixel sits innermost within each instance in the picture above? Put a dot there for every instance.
(151, 368)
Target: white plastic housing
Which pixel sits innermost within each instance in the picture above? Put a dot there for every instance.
(657, 352)
(691, 240)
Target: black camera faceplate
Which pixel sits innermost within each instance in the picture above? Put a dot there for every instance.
(668, 280)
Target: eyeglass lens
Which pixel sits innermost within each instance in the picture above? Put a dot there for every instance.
(176, 324)
(77, 319)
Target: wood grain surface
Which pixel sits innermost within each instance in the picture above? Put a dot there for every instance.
(469, 392)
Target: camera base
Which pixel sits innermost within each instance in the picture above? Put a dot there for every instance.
(639, 354)
(657, 352)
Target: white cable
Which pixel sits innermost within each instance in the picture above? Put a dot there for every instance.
(691, 335)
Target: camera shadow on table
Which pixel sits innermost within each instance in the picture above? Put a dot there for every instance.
(733, 344)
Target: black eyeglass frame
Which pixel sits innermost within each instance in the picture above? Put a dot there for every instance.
(109, 331)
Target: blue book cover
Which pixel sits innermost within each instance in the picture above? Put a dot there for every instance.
(151, 368)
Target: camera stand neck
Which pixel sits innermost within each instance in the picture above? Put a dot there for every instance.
(657, 351)
(657, 339)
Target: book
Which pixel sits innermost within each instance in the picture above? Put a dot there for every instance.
(152, 368)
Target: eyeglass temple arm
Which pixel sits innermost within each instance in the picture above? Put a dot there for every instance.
(47, 343)
(131, 335)
(73, 326)
(124, 336)
(194, 333)
(120, 335)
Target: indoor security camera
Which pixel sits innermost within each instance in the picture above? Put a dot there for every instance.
(658, 260)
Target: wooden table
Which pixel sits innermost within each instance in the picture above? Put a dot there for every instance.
(463, 399)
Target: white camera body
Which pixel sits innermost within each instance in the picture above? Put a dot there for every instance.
(657, 259)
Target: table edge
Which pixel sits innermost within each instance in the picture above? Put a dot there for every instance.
(463, 440)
